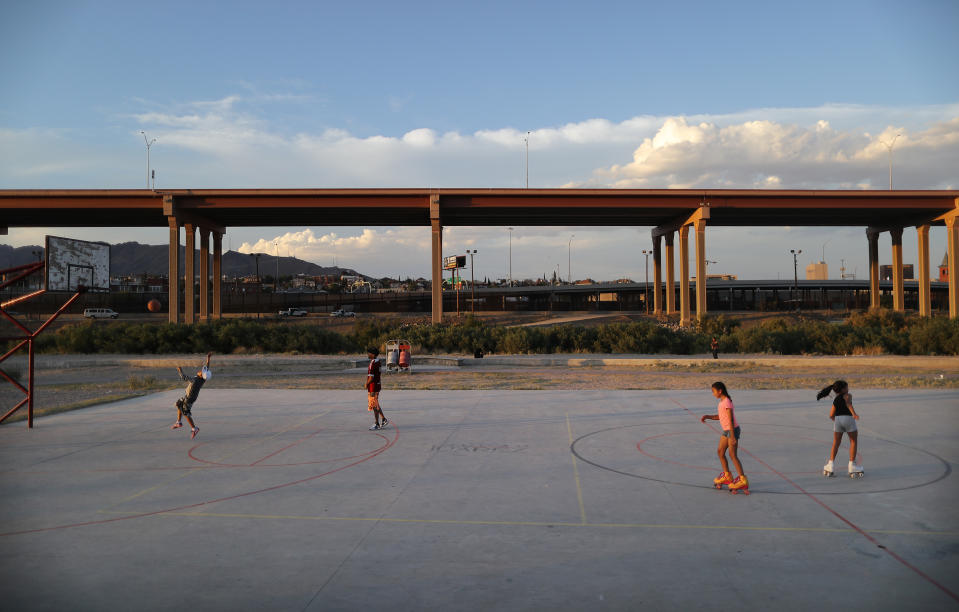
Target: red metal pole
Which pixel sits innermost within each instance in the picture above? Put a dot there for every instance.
(14, 349)
(14, 409)
(15, 322)
(30, 269)
(13, 382)
(23, 298)
(30, 385)
(54, 316)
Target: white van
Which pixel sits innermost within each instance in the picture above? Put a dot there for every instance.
(100, 313)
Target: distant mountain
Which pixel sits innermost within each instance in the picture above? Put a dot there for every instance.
(11, 257)
(129, 258)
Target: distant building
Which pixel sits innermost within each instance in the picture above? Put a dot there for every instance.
(301, 281)
(944, 268)
(817, 271)
(139, 283)
(885, 272)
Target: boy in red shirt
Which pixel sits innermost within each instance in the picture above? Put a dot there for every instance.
(373, 390)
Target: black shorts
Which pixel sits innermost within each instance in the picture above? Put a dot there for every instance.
(184, 406)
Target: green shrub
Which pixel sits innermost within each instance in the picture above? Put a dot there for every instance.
(874, 332)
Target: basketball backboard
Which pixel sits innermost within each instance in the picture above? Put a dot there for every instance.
(72, 264)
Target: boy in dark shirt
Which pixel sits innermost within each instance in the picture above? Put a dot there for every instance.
(373, 390)
(185, 403)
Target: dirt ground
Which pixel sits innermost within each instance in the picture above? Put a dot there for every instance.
(75, 381)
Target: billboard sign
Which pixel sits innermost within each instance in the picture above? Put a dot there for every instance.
(454, 261)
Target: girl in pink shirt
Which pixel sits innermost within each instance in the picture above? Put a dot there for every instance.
(726, 415)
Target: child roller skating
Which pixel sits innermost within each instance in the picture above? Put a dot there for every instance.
(185, 403)
(373, 387)
(844, 419)
(729, 439)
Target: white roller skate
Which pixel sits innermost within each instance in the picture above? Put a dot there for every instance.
(855, 471)
(827, 469)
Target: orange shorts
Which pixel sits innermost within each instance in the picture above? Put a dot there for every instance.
(374, 401)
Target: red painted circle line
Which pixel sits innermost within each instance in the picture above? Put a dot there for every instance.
(842, 518)
(259, 462)
(639, 447)
(396, 436)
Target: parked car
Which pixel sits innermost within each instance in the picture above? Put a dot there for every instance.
(342, 313)
(292, 312)
(100, 313)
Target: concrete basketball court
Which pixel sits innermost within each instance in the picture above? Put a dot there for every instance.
(478, 500)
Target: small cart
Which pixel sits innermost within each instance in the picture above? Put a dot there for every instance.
(398, 356)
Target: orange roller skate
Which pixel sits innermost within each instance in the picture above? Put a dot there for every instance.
(741, 484)
(724, 478)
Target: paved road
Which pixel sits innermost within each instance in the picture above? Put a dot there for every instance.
(478, 500)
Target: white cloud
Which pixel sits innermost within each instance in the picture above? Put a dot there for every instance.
(229, 142)
(761, 153)
(421, 138)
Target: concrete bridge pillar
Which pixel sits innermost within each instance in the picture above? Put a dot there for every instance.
(670, 274)
(952, 262)
(898, 289)
(217, 274)
(873, 237)
(189, 275)
(700, 226)
(684, 318)
(204, 287)
(173, 257)
(925, 297)
(657, 275)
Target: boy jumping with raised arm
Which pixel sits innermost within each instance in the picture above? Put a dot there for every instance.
(185, 403)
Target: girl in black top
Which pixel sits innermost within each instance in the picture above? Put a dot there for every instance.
(844, 419)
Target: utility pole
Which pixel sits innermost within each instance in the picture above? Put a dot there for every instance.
(472, 279)
(889, 146)
(569, 259)
(510, 256)
(149, 144)
(795, 273)
(527, 160)
(256, 257)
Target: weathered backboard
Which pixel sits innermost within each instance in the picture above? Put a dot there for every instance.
(73, 264)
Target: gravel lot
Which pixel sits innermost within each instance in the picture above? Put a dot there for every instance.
(65, 382)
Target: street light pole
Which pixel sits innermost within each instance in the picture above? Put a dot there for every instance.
(889, 146)
(647, 253)
(569, 259)
(149, 144)
(510, 256)
(472, 279)
(527, 160)
(795, 253)
(276, 281)
(256, 257)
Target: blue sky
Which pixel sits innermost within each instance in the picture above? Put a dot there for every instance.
(441, 94)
